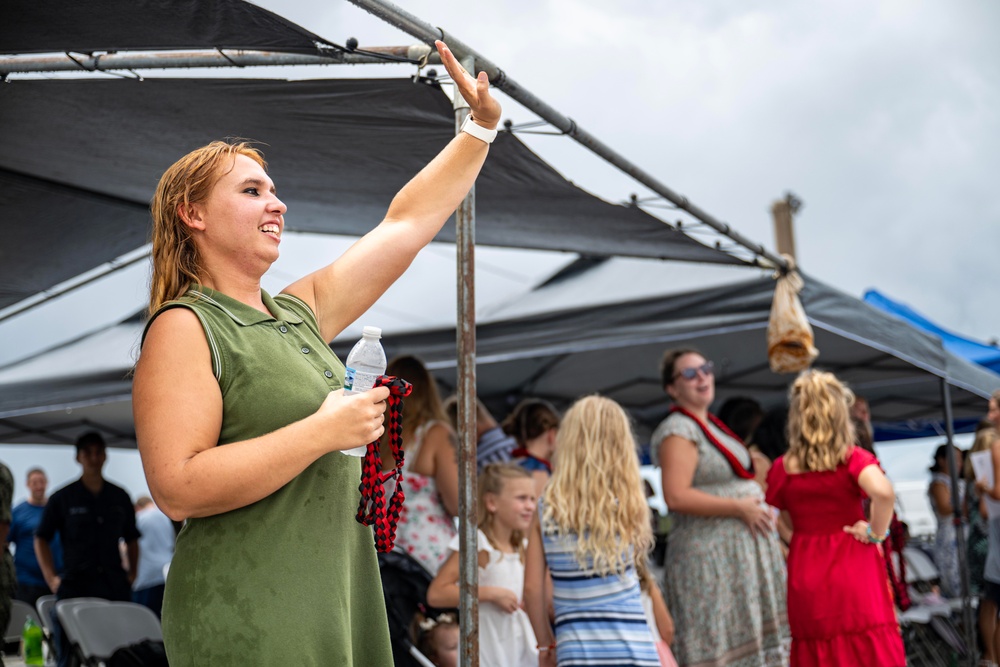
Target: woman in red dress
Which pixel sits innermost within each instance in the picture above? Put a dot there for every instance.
(839, 607)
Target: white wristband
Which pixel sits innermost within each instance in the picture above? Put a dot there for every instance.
(478, 131)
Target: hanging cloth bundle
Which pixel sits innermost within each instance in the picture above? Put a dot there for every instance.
(372, 510)
(789, 335)
(739, 469)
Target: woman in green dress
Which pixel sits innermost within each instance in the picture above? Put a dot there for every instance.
(271, 566)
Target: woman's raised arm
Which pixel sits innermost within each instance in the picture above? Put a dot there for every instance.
(344, 290)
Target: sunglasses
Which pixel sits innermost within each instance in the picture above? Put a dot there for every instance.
(706, 369)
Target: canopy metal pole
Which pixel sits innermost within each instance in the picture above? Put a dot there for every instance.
(956, 503)
(127, 60)
(468, 563)
(424, 31)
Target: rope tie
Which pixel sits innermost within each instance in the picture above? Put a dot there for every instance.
(372, 510)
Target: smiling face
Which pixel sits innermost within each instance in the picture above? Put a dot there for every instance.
(241, 220)
(515, 505)
(37, 484)
(696, 393)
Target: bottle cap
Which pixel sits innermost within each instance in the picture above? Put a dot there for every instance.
(372, 331)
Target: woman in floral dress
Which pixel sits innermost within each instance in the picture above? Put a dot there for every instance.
(725, 575)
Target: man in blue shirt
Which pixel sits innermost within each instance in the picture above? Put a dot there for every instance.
(30, 581)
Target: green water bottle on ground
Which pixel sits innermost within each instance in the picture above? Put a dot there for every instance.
(31, 643)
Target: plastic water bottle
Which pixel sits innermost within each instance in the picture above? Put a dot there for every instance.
(365, 364)
(31, 643)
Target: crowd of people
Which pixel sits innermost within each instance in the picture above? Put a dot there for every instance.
(88, 539)
(773, 556)
(778, 551)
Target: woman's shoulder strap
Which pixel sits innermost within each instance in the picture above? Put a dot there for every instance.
(190, 303)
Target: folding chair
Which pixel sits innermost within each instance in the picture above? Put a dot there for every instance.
(106, 628)
(44, 606)
(929, 632)
(67, 619)
(19, 613)
(921, 572)
(923, 648)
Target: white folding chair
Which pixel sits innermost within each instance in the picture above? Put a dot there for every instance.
(920, 569)
(44, 606)
(106, 628)
(65, 611)
(19, 613)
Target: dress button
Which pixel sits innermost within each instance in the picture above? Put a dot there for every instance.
(283, 329)
(305, 350)
(329, 374)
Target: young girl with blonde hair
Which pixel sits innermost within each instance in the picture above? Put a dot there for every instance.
(839, 606)
(506, 508)
(593, 527)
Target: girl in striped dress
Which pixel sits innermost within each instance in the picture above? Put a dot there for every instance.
(593, 527)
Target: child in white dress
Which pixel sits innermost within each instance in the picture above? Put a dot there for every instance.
(506, 507)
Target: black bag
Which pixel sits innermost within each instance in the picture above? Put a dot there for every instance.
(147, 653)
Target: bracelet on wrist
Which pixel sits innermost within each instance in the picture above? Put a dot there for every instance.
(478, 131)
(872, 537)
(550, 647)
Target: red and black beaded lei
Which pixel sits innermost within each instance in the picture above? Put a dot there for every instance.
(372, 510)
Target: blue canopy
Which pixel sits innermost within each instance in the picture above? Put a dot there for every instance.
(974, 351)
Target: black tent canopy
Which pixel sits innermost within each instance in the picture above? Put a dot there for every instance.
(33, 26)
(81, 159)
(560, 354)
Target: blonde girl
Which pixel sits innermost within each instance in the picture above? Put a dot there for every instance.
(593, 526)
(506, 509)
(839, 606)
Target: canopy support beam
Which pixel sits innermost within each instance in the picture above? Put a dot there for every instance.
(957, 503)
(131, 60)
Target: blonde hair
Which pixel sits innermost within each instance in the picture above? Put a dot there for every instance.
(491, 481)
(596, 491)
(190, 180)
(820, 430)
(985, 437)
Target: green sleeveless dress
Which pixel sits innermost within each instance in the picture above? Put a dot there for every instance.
(293, 578)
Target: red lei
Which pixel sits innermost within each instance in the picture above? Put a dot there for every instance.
(734, 463)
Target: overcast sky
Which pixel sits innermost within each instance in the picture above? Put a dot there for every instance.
(881, 116)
